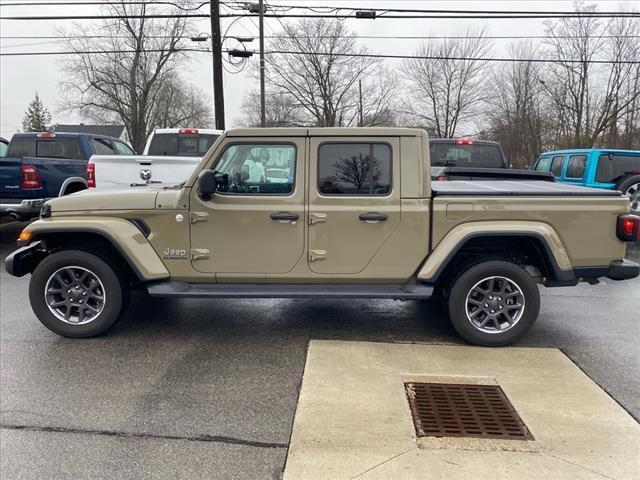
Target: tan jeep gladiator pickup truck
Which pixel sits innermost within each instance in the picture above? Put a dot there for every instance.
(324, 212)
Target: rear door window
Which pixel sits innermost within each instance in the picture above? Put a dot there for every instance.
(102, 146)
(577, 166)
(613, 166)
(556, 165)
(123, 149)
(354, 169)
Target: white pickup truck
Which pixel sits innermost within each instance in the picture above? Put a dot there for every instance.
(171, 154)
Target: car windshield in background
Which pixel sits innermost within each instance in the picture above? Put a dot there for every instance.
(456, 155)
(177, 145)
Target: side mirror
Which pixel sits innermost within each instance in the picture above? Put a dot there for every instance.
(207, 184)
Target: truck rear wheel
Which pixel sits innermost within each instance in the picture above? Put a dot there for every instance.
(493, 303)
(630, 187)
(76, 294)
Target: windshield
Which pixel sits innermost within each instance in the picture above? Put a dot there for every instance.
(177, 145)
(455, 155)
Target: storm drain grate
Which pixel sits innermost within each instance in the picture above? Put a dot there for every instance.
(456, 410)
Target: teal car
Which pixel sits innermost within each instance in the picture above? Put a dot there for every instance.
(596, 168)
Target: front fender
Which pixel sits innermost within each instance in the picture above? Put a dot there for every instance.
(125, 237)
(458, 236)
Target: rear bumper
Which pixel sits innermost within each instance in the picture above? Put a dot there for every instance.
(21, 208)
(619, 270)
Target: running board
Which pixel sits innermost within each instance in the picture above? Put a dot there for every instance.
(277, 290)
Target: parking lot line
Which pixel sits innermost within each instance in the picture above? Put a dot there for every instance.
(353, 418)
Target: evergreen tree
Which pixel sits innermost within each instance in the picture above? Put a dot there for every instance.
(37, 117)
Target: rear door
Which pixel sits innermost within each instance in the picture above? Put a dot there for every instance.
(354, 201)
(576, 169)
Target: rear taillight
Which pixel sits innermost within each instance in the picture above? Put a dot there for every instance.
(442, 178)
(30, 177)
(91, 175)
(628, 229)
(188, 131)
(462, 141)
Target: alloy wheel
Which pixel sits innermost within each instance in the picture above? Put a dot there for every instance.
(495, 304)
(75, 295)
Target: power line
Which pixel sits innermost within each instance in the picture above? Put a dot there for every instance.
(352, 55)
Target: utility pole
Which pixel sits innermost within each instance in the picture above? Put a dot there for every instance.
(360, 91)
(216, 50)
(263, 113)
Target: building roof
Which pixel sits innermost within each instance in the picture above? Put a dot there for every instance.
(107, 130)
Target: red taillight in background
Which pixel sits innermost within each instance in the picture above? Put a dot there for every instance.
(91, 175)
(188, 131)
(46, 135)
(442, 178)
(628, 229)
(30, 177)
(462, 141)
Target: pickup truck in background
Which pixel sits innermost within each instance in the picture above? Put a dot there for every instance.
(170, 156)
(354, 214)
(39, 166)
(465, 159)
(598, 168)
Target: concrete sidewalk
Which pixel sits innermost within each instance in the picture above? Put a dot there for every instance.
(353, 418)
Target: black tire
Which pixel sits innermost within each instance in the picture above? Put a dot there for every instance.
(630, 186)
(115, 292)
(490, 335)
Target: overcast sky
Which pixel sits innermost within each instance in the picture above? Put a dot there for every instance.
(22, 77)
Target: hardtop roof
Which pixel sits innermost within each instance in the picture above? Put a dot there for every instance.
(326, 132)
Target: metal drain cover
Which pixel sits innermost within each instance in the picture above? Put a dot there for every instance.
(457, 410)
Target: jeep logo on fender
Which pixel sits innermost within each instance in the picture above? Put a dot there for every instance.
(145, 175)
(174, 253)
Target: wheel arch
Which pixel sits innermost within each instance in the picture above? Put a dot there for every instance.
(75, 184)
(537, 245)
(119, 237)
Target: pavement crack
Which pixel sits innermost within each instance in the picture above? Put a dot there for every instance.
(580, 466)
(156, 436)
(385, 461)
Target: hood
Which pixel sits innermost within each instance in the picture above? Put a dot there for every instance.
(143, 198)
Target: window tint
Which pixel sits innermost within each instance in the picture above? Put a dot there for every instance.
(611, 167)
(102, 146)
(123, 149)
(543, 165)
(459, 155)
(354, 169)
(173, 144)
(22, 147)
(59, 148)
(577, 166)
(556, 166)
(257, 169)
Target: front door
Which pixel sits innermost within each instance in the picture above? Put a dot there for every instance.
(254, 224)
(354, 201)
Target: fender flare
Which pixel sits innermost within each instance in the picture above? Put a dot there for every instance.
(122, 234)
(70, 181)
(556, 255)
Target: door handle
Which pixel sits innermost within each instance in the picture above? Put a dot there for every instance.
(373, 217)
(285, 217)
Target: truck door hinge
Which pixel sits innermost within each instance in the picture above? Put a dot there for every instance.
(317, 218)
(199, 254)
(199, 217)
(317, 255)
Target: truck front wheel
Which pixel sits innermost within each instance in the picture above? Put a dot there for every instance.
(493, 303)
(75, 293)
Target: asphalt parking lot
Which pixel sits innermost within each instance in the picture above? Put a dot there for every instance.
(208, 388)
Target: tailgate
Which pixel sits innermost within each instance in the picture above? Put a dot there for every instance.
(127, 170)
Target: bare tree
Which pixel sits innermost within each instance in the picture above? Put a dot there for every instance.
(516, 112)
(318, 70)
(281, 111)
(180, 105)
(590, 99)
(447, 88)
(141, 58)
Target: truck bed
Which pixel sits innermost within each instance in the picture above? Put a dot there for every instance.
(521, 188)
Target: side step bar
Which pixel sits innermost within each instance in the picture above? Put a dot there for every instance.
(271, 290)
